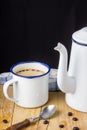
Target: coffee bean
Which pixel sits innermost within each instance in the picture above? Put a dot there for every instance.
(33, 70)
(76, 128)
(75, 119)
(70, 113)
(46, 122)
(5, 121)
(61, 126)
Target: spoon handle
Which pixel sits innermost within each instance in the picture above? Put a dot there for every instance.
(19, 125)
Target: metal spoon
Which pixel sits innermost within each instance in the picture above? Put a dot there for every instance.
(46, 113)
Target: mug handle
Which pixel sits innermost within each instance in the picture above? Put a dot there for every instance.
(5, 89)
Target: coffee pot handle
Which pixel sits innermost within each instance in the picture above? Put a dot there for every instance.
(5, 89)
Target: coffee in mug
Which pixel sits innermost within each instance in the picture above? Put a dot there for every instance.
(30, 72)
(30, 84)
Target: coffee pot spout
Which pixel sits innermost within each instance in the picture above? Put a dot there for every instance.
(65, 82)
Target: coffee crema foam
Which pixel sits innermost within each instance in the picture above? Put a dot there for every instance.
(30, 72)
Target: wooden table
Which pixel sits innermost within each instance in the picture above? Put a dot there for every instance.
(14, 114)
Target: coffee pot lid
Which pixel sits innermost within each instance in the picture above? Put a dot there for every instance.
(80, 36)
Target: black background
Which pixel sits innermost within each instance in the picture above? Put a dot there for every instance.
(29, 29)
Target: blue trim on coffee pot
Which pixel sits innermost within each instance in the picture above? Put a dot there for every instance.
(82, 44)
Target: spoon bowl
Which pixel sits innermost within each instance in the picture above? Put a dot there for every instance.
(48, 111)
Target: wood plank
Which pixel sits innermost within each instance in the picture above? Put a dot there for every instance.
(7, 111)
(21, 114)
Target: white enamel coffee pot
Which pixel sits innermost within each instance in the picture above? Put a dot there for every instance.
(74, 81)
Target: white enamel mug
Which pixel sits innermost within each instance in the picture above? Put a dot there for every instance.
(28, 91)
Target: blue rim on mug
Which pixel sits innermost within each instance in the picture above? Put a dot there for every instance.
(24, 62)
